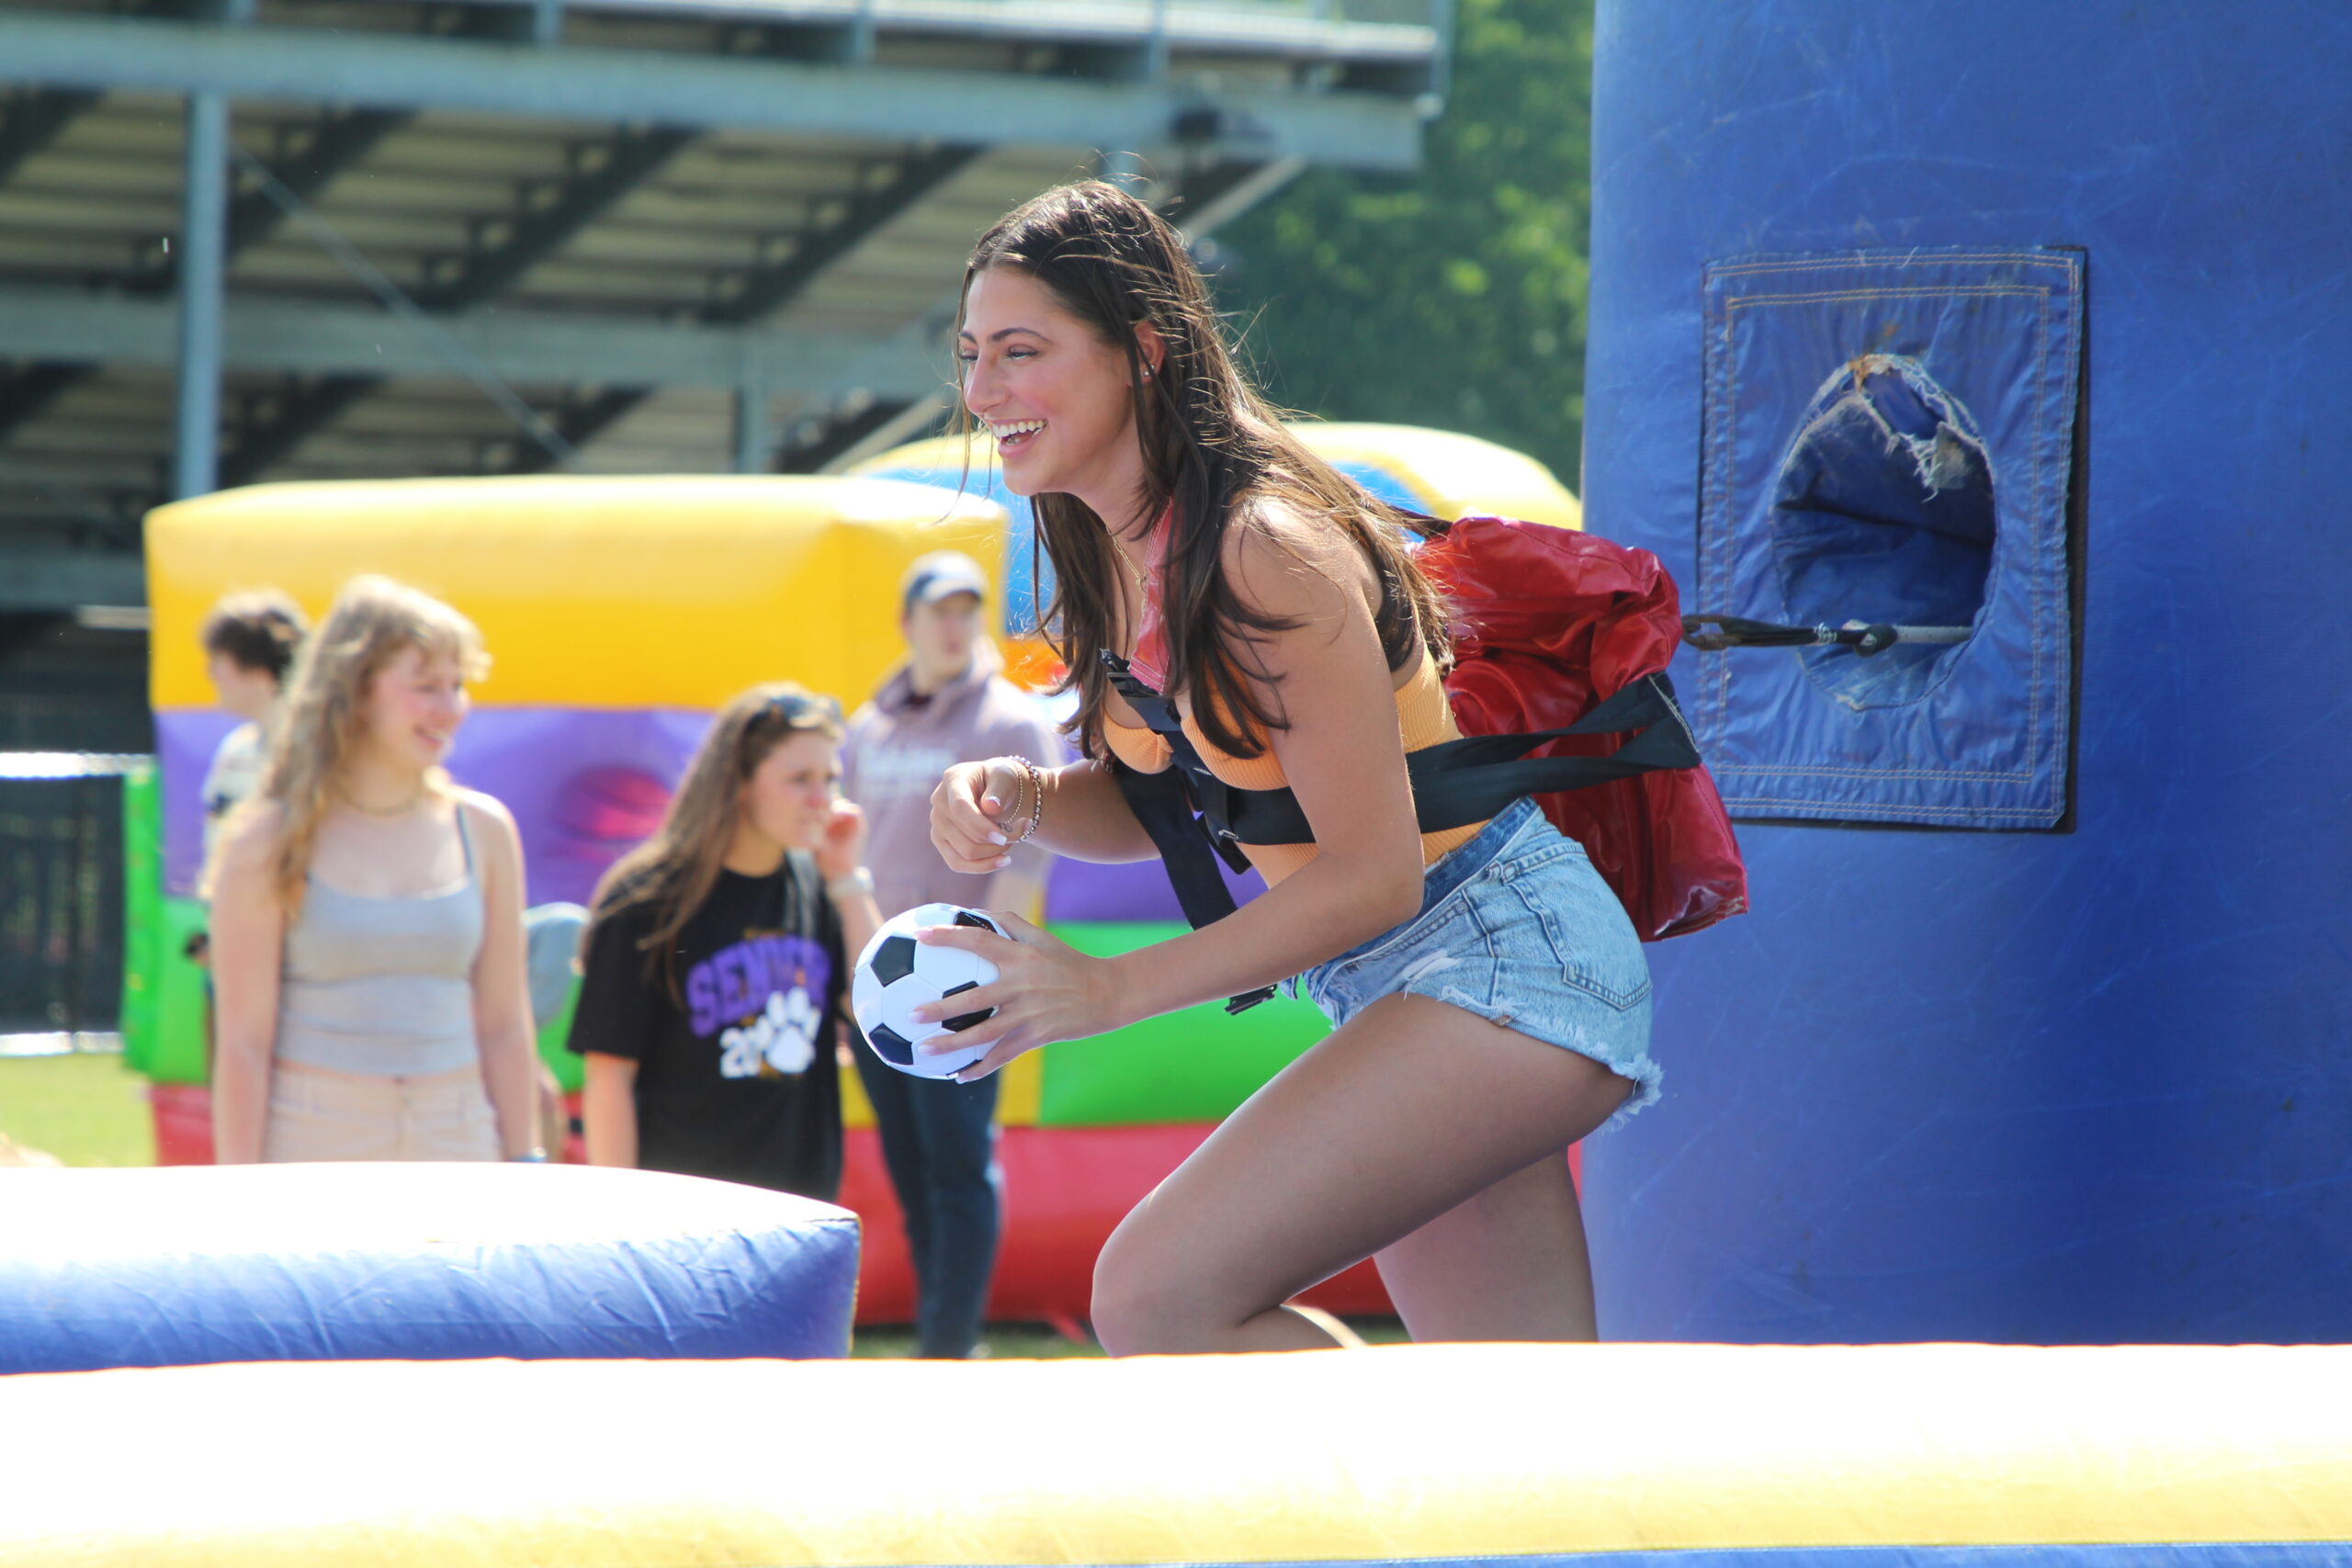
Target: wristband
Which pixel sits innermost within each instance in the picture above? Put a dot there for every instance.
(529, 1156)
(851, 884)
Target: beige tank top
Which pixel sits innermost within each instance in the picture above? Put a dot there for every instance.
(383, 987)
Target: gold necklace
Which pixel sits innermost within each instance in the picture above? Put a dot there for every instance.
(1143, 579)
(401, 810)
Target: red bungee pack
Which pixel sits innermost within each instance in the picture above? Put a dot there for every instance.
(1561, 641)
(1550, 623)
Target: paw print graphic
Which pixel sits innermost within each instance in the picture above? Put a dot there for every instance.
(792, 1022)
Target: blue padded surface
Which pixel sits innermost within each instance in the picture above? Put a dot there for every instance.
(185, 1265)
(2082, 1086)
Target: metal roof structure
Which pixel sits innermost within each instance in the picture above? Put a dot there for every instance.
(313, 239)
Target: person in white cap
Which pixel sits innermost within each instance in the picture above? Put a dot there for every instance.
(948, 703)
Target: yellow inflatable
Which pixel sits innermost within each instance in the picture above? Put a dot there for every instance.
(1676, 1456)
(591, 592)
(1439, 472)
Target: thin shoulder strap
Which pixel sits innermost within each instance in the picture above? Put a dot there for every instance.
(465, 841)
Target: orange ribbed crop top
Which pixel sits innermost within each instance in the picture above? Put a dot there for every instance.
(1424, 718)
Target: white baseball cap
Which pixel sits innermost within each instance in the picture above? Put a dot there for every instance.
(939, 574)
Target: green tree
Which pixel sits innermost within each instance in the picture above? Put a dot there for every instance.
(1453, 297)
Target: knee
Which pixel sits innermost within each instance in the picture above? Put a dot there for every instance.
(1123, 1301)
(1142, 1306)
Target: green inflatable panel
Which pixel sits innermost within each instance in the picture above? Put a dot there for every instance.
(163, 988)
(571, 1072)
(1193, 1065)
(142, 915)
(177, 1053)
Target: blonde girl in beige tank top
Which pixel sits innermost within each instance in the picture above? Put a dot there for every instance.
(367, 914)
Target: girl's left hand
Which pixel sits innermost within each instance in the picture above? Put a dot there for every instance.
(841, 849)
(1044, 991)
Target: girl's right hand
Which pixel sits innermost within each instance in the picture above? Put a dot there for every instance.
(971, 812)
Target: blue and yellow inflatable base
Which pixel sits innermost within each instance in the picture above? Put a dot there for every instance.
(1676, 1456)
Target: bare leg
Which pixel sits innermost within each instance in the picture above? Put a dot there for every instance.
(1508, 1264)
(1397, 1121)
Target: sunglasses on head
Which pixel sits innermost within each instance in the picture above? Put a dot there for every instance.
(796, 708)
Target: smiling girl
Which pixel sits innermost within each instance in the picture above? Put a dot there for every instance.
(367, 914)
(711, 997)
(1490, 1002)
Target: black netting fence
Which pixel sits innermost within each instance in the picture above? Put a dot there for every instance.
(60, 898)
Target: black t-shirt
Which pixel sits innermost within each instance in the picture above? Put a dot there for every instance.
(739, 1082)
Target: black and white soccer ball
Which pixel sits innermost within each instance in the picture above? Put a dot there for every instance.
(896, 974)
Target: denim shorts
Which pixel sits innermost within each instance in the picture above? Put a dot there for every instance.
(1517, 927)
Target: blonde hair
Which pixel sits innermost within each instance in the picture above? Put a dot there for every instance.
(676, 868)
(372, 622)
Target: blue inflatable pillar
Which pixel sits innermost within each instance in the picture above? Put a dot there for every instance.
(2034, 323)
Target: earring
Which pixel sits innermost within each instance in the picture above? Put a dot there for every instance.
(1146, 372)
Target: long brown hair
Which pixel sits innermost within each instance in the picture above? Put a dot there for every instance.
(1211, 445)
(676, 869)
(371, 623)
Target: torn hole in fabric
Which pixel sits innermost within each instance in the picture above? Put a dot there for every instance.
(1882, 511)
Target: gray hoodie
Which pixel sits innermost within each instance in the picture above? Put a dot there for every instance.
(898, 745)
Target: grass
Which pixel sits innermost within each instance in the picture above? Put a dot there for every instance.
(90, 1109)
(1035, 1341)
(87, 1108)
(1002, 1342)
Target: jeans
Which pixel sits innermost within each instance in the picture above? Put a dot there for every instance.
(939, 1140)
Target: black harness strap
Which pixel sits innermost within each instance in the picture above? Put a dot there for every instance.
(1165, 803)
(1160, 802)
(1455, 783)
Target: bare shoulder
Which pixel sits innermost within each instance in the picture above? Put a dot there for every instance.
(251, 834)
(487, 815)
(1286, 563)
(1296, 568)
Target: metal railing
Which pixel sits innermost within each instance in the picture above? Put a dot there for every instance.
(1034, 17)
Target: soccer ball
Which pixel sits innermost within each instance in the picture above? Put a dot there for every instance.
(896, 974)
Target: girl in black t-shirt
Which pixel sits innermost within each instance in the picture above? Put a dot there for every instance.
(715, 961)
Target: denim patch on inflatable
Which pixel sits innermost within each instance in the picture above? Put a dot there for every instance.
(1888, 439)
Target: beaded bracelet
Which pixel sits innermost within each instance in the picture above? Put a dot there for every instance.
(1036, 788)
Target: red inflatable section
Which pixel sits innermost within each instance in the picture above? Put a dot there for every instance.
(1065, 1189)
(183, 1122)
